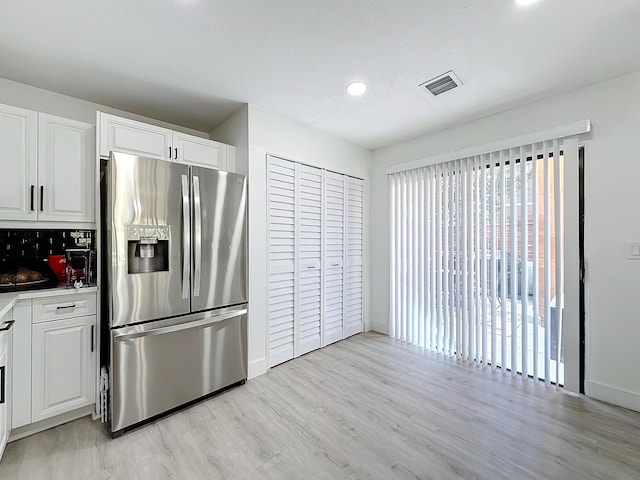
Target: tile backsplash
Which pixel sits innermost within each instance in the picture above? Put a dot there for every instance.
(37, 245)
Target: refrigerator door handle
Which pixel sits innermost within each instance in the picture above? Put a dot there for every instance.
(197, 236)
(180, 326)
(186, 238)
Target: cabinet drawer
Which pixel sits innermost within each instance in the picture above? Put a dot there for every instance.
(67, 306)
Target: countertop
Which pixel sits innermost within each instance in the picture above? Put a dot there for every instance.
(9, 299)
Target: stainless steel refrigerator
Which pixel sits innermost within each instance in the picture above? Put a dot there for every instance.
(176, 276)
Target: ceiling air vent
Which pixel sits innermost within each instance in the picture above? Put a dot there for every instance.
(441, 84)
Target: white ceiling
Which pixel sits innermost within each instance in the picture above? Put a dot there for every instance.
(193, 62)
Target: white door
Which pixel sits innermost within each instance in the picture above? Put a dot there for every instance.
(333, 298)
(21, 362)
(353, 312)
(5, 386)
(281, 181)
(129, 136)
(308, 292)
(18, 163)
(66, 159)
(63, 366)
(199, 151)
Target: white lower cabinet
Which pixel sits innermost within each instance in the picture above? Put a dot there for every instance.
(54, 356)
(21, 411)
(63, 366)
(5, 380)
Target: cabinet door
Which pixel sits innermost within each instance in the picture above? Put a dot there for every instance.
(199, 151)
(334, 218)
(281, 258)
(309, 258)
(66, 165)
(21, 365)
(18, 163)
(63, 366)
(129, 136)
(353, 312)
(5, 385)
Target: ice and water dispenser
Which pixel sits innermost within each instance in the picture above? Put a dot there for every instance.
(148, 248)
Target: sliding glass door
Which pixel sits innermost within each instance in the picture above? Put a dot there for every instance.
(477, 259)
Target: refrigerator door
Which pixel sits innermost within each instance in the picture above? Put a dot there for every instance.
(219, 202)
(158, 366)
(148, 233)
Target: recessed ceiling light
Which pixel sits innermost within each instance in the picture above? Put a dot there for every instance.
(356, 88)
(526, 2)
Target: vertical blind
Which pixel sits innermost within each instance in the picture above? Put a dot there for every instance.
(477, 259)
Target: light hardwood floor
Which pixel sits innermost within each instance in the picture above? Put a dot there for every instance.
(366, 407)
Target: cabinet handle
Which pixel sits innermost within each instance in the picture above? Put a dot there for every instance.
(60, 307)
(33, 192)
(3, 384)
(42, 198)
(176, 149)
(7, 326)
(92, 333)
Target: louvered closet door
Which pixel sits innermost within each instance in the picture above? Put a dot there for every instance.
(353, 311)
(334, 226)
(309, 277)
(281, 211)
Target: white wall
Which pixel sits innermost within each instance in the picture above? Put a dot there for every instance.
(612, 167)
(272, 134)
(32, 98)
(235, 131)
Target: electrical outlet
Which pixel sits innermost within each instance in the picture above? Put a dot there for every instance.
(633, 251)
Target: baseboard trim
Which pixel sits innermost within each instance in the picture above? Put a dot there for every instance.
(257, 367)
(30, 429)
(609, 394)
(380, 327)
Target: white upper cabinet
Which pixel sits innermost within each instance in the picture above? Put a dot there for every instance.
(199, 151)
(18, 163)
(47, 167)
(130, 136)
(65, 170)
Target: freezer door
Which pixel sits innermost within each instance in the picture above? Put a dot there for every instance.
(219, 234)
(161, 365)
(148, 239)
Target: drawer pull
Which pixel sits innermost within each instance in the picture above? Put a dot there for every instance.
(60, 307)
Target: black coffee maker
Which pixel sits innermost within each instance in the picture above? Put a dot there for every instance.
(78, 267)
